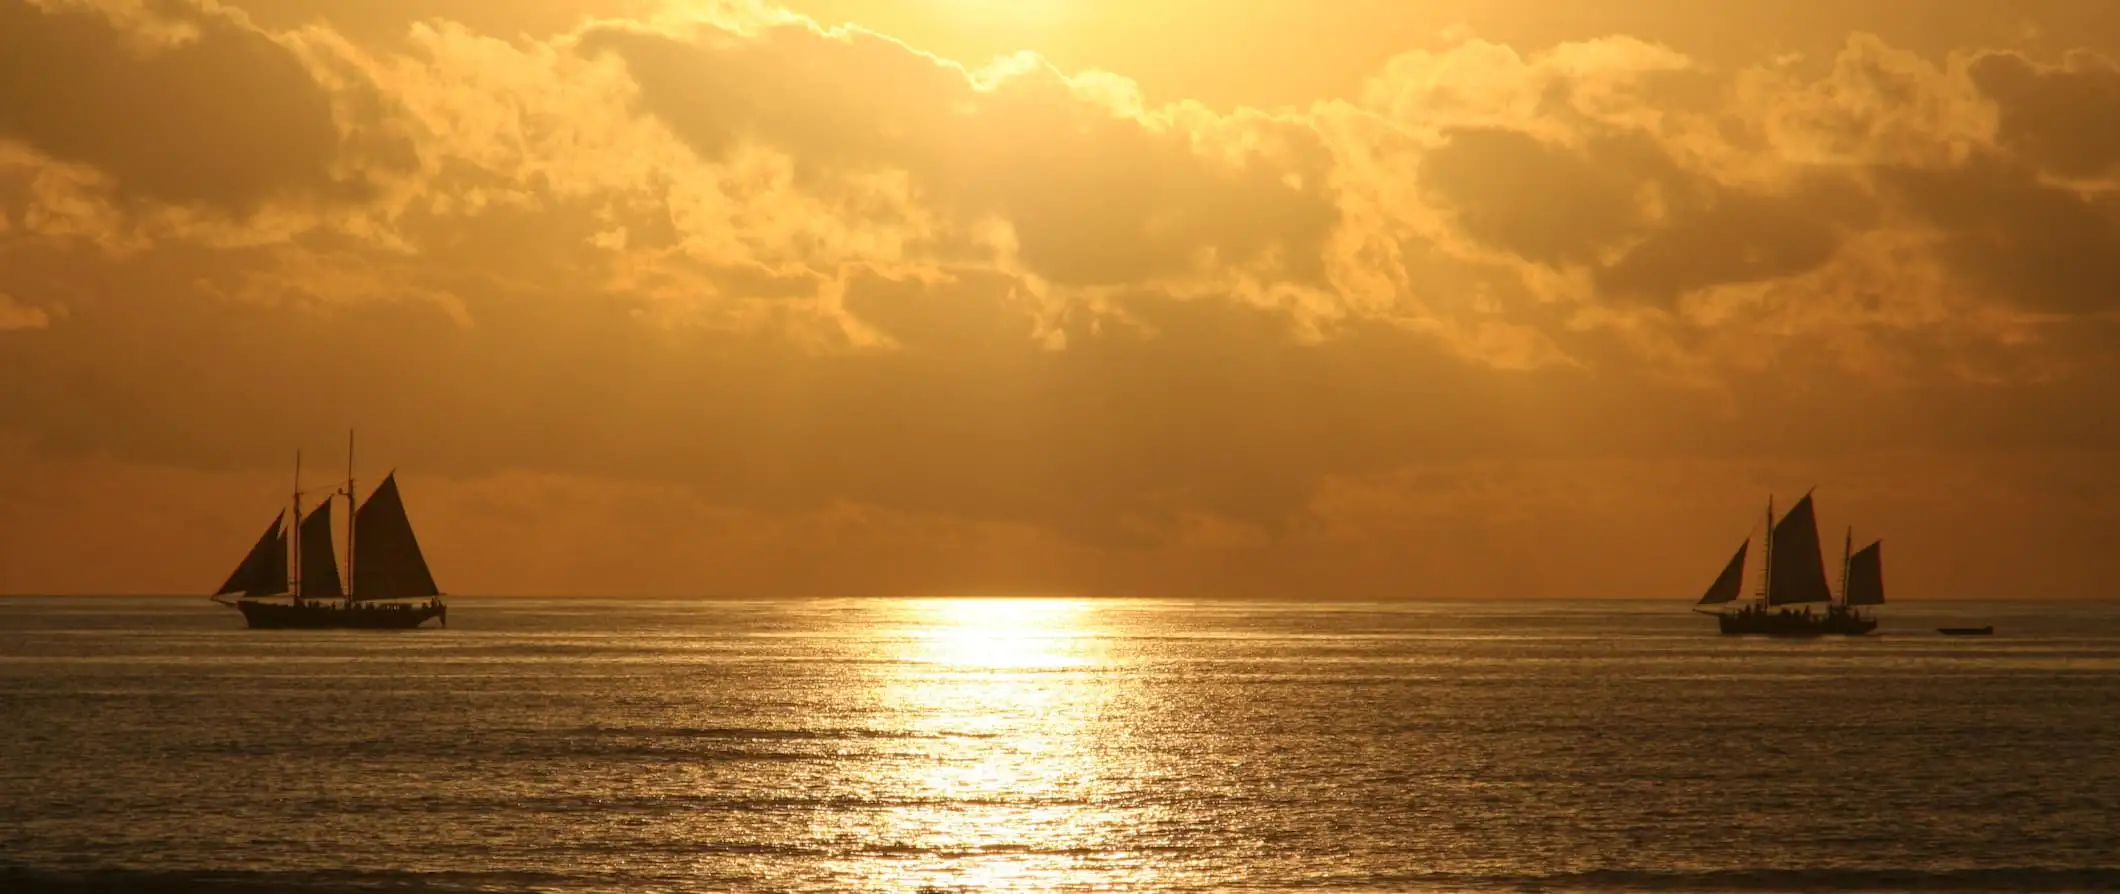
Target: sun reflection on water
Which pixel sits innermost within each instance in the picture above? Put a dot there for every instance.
(1001, 634)
(1007, 701)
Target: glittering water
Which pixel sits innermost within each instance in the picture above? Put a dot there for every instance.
(1069, 745)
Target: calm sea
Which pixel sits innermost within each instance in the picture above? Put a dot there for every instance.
(945, 745)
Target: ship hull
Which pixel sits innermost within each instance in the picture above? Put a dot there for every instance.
(339, 615)
(1794, 624)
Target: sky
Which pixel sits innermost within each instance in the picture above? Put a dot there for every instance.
(1258, 298)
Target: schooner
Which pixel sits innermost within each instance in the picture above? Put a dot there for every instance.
(296, 584)
(1793, 573)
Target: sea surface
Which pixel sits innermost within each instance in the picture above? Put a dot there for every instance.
(1023, 745)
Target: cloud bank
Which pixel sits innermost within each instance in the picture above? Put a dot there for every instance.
(913, 324)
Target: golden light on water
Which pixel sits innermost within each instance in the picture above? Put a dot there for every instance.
(1014, 676)
(1002, 634)
(1009, 704)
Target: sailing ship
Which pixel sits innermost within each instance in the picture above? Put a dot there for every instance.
(293, 582)
(1793, 573)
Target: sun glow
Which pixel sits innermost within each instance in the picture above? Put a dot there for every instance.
(1006, 704)
(1001, 634)
(1004, 15)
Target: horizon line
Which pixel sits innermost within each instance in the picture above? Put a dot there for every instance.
(738, 597)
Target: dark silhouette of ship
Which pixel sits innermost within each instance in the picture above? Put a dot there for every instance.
(296, 585)
(1792, 574)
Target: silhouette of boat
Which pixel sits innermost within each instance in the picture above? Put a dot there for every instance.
(1793, 573)
(391, 586)
(1989, 630)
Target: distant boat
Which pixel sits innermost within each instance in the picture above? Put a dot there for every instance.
(1793, 573)
(392, 587)
(1989, 630)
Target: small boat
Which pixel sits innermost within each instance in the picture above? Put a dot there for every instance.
(1989, 630)
(296, 585)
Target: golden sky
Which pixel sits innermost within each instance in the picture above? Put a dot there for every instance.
(1419, 298)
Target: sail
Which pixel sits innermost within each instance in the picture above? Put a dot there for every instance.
(1866, 576)
(320, 566)
(1797, 568)
(264, 570)
(1728, 584)
(388, 563)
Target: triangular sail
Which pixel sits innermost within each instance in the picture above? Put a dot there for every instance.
(1866, 576)
(389, 564)
(320, 566)
(1798, 572)
(1730, 583)
(264, 570)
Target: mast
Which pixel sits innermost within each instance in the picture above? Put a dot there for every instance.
(351, 509)
(1847, 555)
(294, 567)
(1766, 571)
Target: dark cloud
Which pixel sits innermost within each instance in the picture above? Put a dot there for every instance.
(1095, 197)
(1180, 406)
(2063, 119)
(1735, 236)
(225, 117)
(1204, 405)
(1552, 204)
(2039, 245)
(1673, 231)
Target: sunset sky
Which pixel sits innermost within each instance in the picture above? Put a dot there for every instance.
(1302, 298)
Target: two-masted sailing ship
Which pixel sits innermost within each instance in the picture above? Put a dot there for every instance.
(1793, 578)
(294, 582)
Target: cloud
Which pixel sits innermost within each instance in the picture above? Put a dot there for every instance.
(2045, 246)
(2063, 118)
(1546, 203)
(1095, 189)
(15, 315)
(1197, 406)
(1734, 236)
(185, 104)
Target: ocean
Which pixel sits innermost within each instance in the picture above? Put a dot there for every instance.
(1066, 745)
